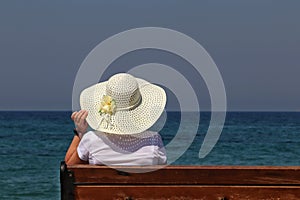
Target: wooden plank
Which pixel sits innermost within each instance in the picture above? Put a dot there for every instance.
(203, 175)
(188, 192)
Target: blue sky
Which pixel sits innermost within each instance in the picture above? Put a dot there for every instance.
(255, 44)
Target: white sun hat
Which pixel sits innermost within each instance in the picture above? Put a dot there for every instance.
(123, 104)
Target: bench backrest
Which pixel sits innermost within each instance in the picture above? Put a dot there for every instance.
(180, 182)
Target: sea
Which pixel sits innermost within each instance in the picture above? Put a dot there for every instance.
(32, 145)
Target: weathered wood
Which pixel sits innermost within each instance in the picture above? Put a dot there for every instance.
(181, 182)
(66, 182)
(188, 192)
(205, 175)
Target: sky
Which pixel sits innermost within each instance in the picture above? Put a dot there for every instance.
(255, 45)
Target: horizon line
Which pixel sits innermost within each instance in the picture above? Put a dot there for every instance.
(65, 110)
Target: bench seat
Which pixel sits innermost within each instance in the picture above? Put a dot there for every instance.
(180, 182)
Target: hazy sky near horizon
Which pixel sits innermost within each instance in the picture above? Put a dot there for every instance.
(255, 44)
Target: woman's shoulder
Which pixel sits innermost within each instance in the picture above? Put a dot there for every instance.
(91, 136)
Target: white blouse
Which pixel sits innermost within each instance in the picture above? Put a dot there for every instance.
(100, 148)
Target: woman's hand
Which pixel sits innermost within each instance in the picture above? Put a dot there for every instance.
(79, 119)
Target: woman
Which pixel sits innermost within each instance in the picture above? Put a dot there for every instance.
(120, 111)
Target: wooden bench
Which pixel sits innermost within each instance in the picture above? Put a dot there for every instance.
(180, 182)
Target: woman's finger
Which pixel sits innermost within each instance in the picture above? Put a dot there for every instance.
(84, 115)
(73, 115)
(79, 116)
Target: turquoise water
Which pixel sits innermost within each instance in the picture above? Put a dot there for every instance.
(32, 144)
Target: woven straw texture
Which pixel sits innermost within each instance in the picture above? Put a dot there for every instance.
(139, 104)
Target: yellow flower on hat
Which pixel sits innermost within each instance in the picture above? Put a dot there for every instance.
(108, 105)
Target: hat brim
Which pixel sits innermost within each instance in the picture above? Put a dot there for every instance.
(131, 121)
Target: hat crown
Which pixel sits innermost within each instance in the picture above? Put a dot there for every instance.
(124, 89)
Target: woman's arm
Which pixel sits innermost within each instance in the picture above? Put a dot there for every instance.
(72, 155)
(79, 119)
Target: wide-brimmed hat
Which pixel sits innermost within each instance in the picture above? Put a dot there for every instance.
(123, 104)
